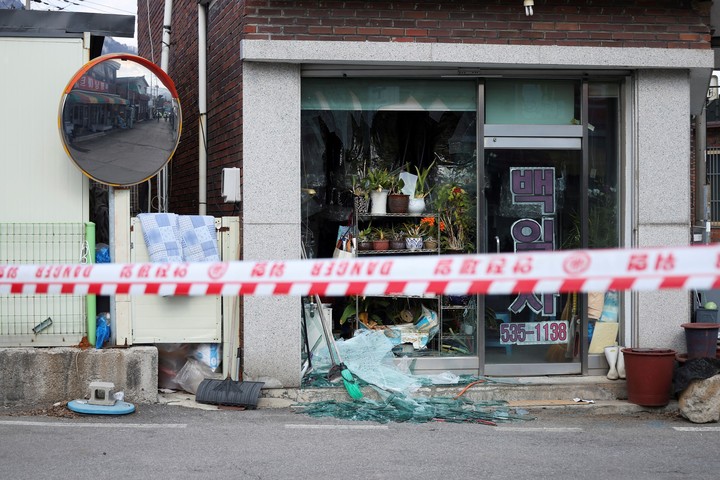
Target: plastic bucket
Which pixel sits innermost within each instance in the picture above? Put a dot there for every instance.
(649, 373)
(703, 315)
(701, 339)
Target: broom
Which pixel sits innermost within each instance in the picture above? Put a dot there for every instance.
(337, 365)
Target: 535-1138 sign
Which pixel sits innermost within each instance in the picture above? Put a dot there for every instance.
(534, 333)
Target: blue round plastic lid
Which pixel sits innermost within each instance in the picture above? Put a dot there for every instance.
(82, 406)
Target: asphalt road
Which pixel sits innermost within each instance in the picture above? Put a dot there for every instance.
(172, 442)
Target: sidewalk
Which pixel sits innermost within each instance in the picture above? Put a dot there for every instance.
(596, 396)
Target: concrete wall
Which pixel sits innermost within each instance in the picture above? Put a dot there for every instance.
(38, 376)
(271, 139)
(663, 195)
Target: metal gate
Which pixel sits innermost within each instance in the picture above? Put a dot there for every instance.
(712, 166)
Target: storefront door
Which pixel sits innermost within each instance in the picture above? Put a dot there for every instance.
(527, 191)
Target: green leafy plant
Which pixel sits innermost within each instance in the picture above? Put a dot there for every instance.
(422, 188)
(365, 235)
(396, 185)
(361, 186)
(602, 221)
(394, 234)
(379, 179)
(379, 233)
(365, 309)
(455, 224)
(414, 230)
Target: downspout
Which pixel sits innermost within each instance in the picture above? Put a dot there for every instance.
(202, 106)
(167, 20)
(162, 179)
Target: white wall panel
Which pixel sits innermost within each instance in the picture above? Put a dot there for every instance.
(40, 183)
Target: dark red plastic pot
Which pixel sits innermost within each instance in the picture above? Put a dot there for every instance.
(649, 373)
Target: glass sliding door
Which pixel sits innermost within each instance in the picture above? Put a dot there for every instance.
(551, 169)
(527, 197)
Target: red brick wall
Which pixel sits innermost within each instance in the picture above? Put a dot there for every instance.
(600, 23)
(224, 95)
(605, 23)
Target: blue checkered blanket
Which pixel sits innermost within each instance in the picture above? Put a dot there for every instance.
(179, 238)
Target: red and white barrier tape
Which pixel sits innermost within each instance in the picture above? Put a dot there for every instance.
(695, 267)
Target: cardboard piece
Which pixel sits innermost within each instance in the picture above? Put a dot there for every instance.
(604, 335)
(596, 300)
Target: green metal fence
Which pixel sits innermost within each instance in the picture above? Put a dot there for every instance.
(46, 320)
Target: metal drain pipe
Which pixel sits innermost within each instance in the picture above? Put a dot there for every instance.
(202, 107)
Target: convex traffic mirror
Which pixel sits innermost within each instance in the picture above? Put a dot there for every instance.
(120, 119)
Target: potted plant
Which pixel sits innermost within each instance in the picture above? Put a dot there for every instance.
(381, 241)
(453, 205)
(365, 238)
(430, 239)
(454, 239)
(414, 233)
(361, 193)
(422, 190)
(379, 181)
(397, 240)
(397, 202)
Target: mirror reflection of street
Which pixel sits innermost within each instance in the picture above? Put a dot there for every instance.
(126, 156)
(120, 120)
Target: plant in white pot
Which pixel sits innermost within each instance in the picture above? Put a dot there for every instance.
(422, 190)
(379, 181)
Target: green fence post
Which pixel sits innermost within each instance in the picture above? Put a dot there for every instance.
(90, 300)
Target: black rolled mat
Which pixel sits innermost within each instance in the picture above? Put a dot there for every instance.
(229, 392)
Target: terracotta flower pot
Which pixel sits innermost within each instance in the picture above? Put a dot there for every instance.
(381, 244)
(649, 374)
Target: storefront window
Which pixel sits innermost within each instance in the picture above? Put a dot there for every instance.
(355, 128)
(536, 161)
(532, 102)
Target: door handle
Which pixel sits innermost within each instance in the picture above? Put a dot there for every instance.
(497, 243)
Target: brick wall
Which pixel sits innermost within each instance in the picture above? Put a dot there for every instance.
(598, 23)
(603, 23)
(224, 94)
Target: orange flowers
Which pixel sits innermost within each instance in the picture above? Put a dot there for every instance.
(428, 222)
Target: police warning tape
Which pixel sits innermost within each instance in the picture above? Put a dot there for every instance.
(695, 267)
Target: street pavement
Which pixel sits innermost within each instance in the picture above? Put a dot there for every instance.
(173, 441)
